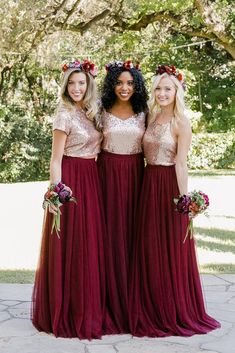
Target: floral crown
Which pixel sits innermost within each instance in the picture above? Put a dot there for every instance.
(128, 64)
(85, 66)
(171, 70)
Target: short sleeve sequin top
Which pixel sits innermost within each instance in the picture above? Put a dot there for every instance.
(159, 145)
(83, 140)
(123, 136)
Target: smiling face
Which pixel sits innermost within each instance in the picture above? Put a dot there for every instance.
(165, 92)
(77, 86)
(124, 88)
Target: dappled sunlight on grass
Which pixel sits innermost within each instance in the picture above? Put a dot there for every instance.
(217, 268)
(17, 276)
(214, 239)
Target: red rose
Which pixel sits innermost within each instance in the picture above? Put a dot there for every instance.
(180, 77)
(65, 67)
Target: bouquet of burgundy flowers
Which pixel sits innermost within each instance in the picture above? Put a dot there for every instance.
(57, 195)
(194, 203)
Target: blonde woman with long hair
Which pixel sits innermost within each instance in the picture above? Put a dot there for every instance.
(68, 294)
(166, 296)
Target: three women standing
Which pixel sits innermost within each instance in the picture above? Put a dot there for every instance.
(82, 282)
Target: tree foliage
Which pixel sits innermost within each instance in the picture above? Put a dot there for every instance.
(197, 36)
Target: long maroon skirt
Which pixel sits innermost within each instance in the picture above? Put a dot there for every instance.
(166, 295)
(121, 179)
(68, 296)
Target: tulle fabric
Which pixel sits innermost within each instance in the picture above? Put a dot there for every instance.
(166, 295)
(121, 179)
(69, 291)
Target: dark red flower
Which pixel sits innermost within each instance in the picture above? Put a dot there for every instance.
(180, 77)
(65, 67)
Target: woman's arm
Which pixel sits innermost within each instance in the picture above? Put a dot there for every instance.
(58, 144)
(184, 135)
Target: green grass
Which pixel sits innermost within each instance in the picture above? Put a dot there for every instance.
(214, 239)
(211, 172)
(217, 269)
(16, 276)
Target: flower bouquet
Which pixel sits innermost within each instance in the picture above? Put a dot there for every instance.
(194, 203)
(57, 195)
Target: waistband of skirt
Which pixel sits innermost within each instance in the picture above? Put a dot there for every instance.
(121, 156)
(85, 160)
(160, 166)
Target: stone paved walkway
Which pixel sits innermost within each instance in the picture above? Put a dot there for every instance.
(17, 335)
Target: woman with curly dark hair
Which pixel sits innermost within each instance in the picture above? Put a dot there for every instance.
(121, 165)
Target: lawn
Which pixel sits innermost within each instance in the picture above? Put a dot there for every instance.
(21, 222)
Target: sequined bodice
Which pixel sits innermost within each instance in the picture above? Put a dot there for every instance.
(83, 140)
(123, 136)
(159, 145)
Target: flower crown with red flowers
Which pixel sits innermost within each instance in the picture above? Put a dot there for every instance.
(171, 70)
(85, 66)
(128, 64)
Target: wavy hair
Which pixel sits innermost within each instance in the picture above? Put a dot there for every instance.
(89, 99)
(138, 99)
(179, 106)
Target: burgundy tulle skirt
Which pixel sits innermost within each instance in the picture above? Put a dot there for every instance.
(166, 295)
(121, 179)
(69, 291)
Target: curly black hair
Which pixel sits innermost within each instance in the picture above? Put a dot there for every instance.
(138, 99)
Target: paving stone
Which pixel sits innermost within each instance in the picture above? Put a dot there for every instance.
(18, 335)
(100, 349)
(211, 280)
(155, 347)
(224, 344)
(214, 288)
(229, 277)
(4, 316)
(193, 341)
(109, 339)
(10, 302)
(224, 315)
(231, 288)
(227, 306)
(20, 292)
(20, 313)
(213, 297)
(225, 328)
(43, 344)
(2, 307)
(23, 305)
(16, 327)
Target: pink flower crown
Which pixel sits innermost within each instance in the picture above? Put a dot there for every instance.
(171, 70)
(85, 66)
(128, 64)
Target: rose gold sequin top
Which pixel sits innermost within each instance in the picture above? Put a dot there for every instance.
(123, 136)
(159, 145)
(83, 140)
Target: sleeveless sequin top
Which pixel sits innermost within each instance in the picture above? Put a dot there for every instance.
(160, 147)
(123, 136)
(83, 140)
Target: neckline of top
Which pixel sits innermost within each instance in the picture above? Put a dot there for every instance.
(117, 117)
(80, 110)
(162, 124)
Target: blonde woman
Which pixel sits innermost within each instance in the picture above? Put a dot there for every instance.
(69, 287)
(166, 296)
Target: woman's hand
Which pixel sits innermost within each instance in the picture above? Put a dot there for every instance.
(53, 209)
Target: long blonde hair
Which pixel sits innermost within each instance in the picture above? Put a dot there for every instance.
(179, 107)
(90, 97)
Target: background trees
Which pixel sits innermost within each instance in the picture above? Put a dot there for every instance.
(197, 36)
